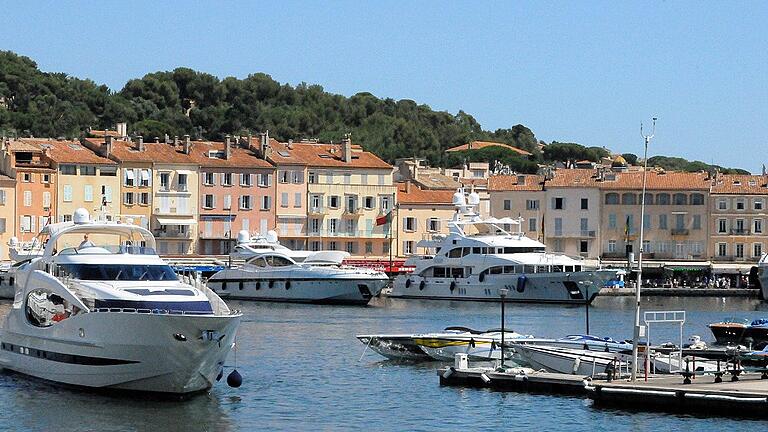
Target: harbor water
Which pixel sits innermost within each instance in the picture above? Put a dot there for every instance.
(303, 370)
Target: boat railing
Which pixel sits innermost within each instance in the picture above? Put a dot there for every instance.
(218, 305)
(156, 311)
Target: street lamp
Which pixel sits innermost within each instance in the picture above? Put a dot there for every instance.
(503, 294)
(636, 332)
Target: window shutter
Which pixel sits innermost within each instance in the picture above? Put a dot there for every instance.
(32, 224)
(269, 179)
(107, 193)
(214, 202)
(553, 203)
(2, 197)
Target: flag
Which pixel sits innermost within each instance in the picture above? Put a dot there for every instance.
(383, 220)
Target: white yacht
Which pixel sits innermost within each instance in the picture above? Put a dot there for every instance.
(476, 345)
(478, 258)
(20, 251)
(274, 276)
(249, 246)
(100, 309)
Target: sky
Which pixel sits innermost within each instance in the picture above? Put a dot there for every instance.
(571, 71)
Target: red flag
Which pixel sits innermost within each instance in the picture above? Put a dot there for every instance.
(383, 220)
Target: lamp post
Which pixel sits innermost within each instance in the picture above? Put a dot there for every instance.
(503, 294)
(636, 332)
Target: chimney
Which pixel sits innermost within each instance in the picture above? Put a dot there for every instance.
(122, 130)
(227, 148)
(346, 149)
(265, 148)
(407, 186)
(187, 144)
(107, 146)
(140, 143)
(250, 137)
(175, 141)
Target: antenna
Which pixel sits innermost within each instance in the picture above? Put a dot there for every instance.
(648, 138)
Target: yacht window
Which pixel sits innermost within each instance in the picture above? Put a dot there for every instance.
(45, 308)
(466, 251)
(438, 272)
(119, 272)
(496, 270)
(278, 261)
(527, 268)
(577, 268)
(457, 272)
(258, 262)
(568, 269)
(454, 253)
(477, 250)
(542, 269)
(509, 269)
(508, 250)
(499, 250)
(557, 269)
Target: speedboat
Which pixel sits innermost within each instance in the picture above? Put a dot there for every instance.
(477, 345)
(403, 347)
(733, 331)
(569, 360)
(478, 259)
(274, 276)
(585, 342)
(100, 309)
(249, 246)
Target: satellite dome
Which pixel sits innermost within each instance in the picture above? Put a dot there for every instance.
(271, 236)
(243, 236)
(458, 198)
(81, 216)
(474, 198)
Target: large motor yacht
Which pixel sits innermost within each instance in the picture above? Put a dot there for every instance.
(274, 276)
(478, 258)
(100, 309)
(249, 246)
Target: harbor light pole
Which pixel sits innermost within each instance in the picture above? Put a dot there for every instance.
(503, 294)
(636, 333)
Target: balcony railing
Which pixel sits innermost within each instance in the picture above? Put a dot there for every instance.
(679, 231)
(739, 231)
(170, 234)
(575, 234)
(353, 211)
(347, 234)
(318, 211)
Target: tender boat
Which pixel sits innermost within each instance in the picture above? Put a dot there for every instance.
(274, 276)
(478, 258)
(477, 345)
(100, 309)
(569, 360)
(403, 347)
(249, 246)
(21, 251)
(733, 331)
(585, 342)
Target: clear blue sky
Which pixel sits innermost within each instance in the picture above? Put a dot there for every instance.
(585, 72)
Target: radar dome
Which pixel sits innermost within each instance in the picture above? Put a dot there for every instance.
(474, 198)
(81, 216)
(243, 236)
(271, 236)
(13, 241)
(458, 198)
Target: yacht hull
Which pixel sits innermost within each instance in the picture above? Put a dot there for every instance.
(122, 350)
(567, 361)
(316, 291)
(395, 347)
(536, 288)
(476, 348)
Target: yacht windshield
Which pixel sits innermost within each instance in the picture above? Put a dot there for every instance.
(119, 272)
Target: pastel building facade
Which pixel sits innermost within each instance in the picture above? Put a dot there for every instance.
(572, 215)
(421, 214)
(738, 218)
(519, 196)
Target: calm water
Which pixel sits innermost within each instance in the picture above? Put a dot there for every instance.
(302, 371)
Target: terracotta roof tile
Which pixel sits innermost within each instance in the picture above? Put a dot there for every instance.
(573, 178)
(240, 157)
(475, 145)
(125, 151)
(670, 180)
(437, 181)
(322, 155)
(61, 151)
(417, 195)
(512, 183)
(741, 184)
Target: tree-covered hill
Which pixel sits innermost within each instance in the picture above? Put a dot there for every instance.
(679, 164)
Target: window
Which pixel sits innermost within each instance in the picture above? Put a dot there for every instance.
(662, 222)
(531, 204)
(697, 199)
(208, 201)
(247, 181)
(740, 204)
(368, 247)
(558, 227)
(558, 203)
(532, 224)
(722, 226)
(739, 250)
(46, 178)
(312, 177)
(757, 226)
(558, 245)
(266, 202)
(351, 247)
(68, 169)
(363, 179)
(283, 176)
(165, 181)
(612, 198)
(679, 222)
(696, 222)
(409, 224)
(722, 249)
(46, 200)
(27, 177)
(88, 193)
(128, 198)
(757, 250)
(584, 246)
(648, 199)
(316, 202)
(144, 198)
(507, 204)
(612, 221)
(347, 178)
(297, 177)
(333, 226)
(145, 176)
(585, 203)
(333, 201)
(87, 170)
(27, 198)
(67, 193)
(611, 246)
(408, 247)
(2, 197)
(433, 224)
(351, 226)
(382, 179)
(209, 179)
(662, 199)
(680, 199)
(722, 204)
(647, 222)
(351, 203)
(297, 199)
(226, 179)
(245, 203)
(385, 204)
(385, 248)
(369, 202)
(284, 199)
(758, 205)
(628, 199)
(110, 171)
(182, 179)
(227, 202)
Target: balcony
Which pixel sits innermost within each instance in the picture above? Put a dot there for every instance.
(172, 234)
(679, 231)
(739, 231)
(574, 234)
(347, 234)
(353, 211)
(318, 211)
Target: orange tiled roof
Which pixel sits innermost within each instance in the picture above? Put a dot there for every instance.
(61, 151)
(125, 151)
(417, 195)
(482, 144)
(240, 157)
(741, 184)
(574, 177)
(102, 133)
(670, 180)
(322, 155)
(510, 183)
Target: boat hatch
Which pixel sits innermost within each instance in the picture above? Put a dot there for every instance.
(573, 290)
(365, 291)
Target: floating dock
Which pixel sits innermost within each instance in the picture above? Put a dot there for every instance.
(682, 292)
(514, 379)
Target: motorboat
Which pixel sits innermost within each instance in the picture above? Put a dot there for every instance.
(274, 276)
(734, 331)
(7, 289)
(21, 251)
(100, 309)
(570, 360)
(403, 346)
(249, 246)
(580, 341)
(478, 259)
(478, 346)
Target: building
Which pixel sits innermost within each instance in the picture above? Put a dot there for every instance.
(738, 218)
(24, 161)
(572, 215)
(421, 213)
(519, 196)
(347, 189)
(237, 193)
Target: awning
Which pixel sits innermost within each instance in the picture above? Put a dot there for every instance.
(291, 216)
(175, 221)
(129, 174)
(732, 268)
(145, 175)
(187, 172)
(687, 265)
